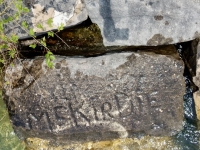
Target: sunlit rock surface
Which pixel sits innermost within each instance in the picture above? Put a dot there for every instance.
(144, 143)
(145, 22)
(44, 15)
(196, 80)
(123, 23)
(95, 98)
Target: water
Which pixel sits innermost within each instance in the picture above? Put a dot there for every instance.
(188, 138)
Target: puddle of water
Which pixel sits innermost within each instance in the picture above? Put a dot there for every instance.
(189, 137)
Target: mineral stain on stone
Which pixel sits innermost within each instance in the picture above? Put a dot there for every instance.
(158, 17)
(166, 22)
(159, 39)
(110, 31)
(196, 35)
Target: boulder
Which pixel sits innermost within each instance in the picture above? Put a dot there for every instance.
(44, 15)
(145, 22)
(95, 98)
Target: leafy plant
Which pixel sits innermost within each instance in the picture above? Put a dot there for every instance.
(40, 26)
(31, 32)
(50, 33)
(50, 22)
(25, 25)
(11, 12)
(8, 44)
(49, 59)
(43, 42)
(60, 27)
(33, 45)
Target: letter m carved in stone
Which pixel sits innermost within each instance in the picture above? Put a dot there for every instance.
(40, 121)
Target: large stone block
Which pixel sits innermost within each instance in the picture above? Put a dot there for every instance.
(145, 22)
(114, 95)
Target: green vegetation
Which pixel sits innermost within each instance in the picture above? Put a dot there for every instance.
(8, 139)
(12, 11)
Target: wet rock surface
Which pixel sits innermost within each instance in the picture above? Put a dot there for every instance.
(114, 95)
(145, 22)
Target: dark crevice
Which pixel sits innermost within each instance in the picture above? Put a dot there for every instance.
(187, 53)
(188, 138)
(83, 40)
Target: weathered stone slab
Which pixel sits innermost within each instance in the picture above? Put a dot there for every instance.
(114, 95)
(64, 12)
(145, 22)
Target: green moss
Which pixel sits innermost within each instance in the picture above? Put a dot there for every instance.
(8, 139)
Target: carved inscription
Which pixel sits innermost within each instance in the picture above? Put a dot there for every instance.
(87, 114)
(127, 93)
(42, 117)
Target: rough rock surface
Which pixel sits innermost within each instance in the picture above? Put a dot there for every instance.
(196, 80)
(145, 22)
(114, 95)
(68, 13)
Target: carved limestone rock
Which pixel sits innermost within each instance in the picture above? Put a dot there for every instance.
(94, 98)
(145, 22)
